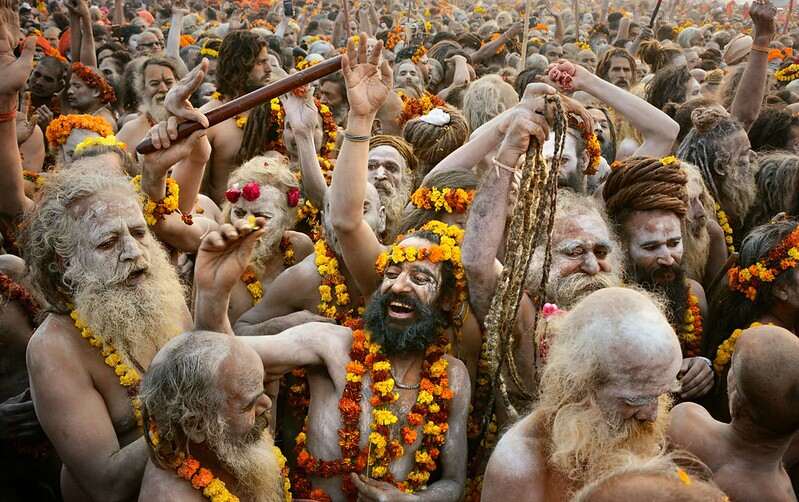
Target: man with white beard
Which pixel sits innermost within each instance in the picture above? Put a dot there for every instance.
(153, 80)
(206, 408)
(603, 400)
(116, 300)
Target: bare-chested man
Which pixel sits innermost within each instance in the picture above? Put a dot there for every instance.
(243, 66)
(157, 76)
(746, 455)
(603, 400)
(90, 93)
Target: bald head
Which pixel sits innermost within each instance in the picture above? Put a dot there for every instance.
(771, 402)
(664, 486)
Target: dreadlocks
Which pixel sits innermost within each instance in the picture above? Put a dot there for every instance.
(237, 56)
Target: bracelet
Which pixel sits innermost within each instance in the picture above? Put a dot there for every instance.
(499, 165)
(8, 116)
(763, 50)
(356, 139)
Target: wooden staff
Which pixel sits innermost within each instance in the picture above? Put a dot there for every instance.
(655, 14)
(253, 99)
(526, 36)
(346, 6)
(788, 17)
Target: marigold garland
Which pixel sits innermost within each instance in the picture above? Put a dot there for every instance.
(15, 292)
(284, 473)
(186, 40)
(430, 413)
(783, 257)
(724, 223)
(419, 54)
(690, 333)
(209, 53)
(93, 141)
(592, 147)
(446, 199)
(727, 348)
(395, 36)
(416, 107)
(129, 378)
(35, 178)
(60, 128)
(333, 285)
(155, 211)
(250, 278)
(203, 479)
(787, 74)
(95, 81)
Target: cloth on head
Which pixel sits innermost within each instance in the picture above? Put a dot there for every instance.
(738, 48)
(400, 145)
(646, 184)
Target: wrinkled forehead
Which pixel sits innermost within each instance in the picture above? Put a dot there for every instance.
(385, 153)
(586, 227)
(106, 209)
(155, 71)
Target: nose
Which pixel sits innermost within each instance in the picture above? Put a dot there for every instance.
(665, 258)
(590, 264)
(401, 285)
(648, 413)
(263, 405)
(162, 87)
(380, 173)
(130, 249)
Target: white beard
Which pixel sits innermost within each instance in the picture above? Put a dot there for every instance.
(254, 466)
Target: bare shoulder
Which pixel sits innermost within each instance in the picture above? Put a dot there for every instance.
(13, 266)
(517, 468)
(54, 339)
(458, 374)
(159, 485)
(688, 422)
(697, 290)
(302, 244)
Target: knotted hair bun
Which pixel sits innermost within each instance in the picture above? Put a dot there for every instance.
(646, 184)
(707, 117)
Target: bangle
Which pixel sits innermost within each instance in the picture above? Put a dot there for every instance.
(356, 139)
(499, 165)
(763, 50)
(8, 116)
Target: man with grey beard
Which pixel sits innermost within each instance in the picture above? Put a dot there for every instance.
(204, 399)
(155, 76)
(115, 300)
(391, 170)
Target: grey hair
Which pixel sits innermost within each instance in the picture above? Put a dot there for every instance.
(180, 390)
(50, 231)
(486, 98)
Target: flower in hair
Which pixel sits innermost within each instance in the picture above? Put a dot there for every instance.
(251, 191)
(667, 161)
(293, 196)
(232, 195)
(95, 81)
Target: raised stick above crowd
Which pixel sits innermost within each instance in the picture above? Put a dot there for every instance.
(399, 250)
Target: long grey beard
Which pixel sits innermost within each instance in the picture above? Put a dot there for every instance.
(254, 466)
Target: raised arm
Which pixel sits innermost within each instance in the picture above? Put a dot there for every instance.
(301, 118)
(81, 26)
(490, 49)
(173, 37)
(13, 75)
(658, 129)
(368, 85)
(119, 12)
(749, 96)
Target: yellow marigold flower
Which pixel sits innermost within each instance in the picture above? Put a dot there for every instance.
(671, 159)
(131, 377)
(385, 387)
(431, 428)
(439, 367)
(379, 471)
(424, 397)
(214, 488)
(397, 254)
(301, 437)
(382, 366)
(324, 293)
(113, 359)
(351, 377)
(377, 439)
(794, 253)
(384, 417)
(422, 457)
(434, 408)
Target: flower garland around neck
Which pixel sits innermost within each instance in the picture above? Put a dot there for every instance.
(727, 348)
(59, 129)
(129, 378)
(450, 200)
(783, 257)
(395, 36)
(334, 296)
(724, 223)
(690, 333)
(429, 415)
(787, 74)
(156, 211)
(15, 292)
(203, 479)
(250, 278)
(95, 81)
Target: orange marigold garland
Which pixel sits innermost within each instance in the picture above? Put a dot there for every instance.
(60, 128)
(395, 36)
(690, 333)
(783, 257)
(203, 479)
(95, 81)
(416, 107)
(17, 293)
(446, 199)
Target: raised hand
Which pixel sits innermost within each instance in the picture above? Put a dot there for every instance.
(9, 17)
(168, 153)
(43, 116)
(524, 124)
(763, 13)
(301, 112)
(368, 80)
(566, 75)
(14, 72)
(177, 99)
(25, 126)
(225, 253)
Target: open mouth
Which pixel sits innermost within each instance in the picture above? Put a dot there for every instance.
(399, 310)
(137, 276)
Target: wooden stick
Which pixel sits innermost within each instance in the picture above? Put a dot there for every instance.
(788, 17)
(253, 99)
(346, 6)
(526, 36)
(655, 14)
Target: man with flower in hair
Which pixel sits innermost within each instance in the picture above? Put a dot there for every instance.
(748, 455)
(66, 132)
(89, 93)
(647, 200)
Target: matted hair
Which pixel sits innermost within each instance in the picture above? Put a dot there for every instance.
(237, 56)
(603, 66)
(486, 98)
(433, 143)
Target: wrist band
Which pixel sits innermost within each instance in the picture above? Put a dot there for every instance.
(764, 50)
(356, 139)
(499, 165)
(8, 116)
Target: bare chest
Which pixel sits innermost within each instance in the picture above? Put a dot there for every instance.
(226, 143)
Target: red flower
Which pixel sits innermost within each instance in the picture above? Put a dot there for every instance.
(293, 196)
(251, 191)
(232, 195)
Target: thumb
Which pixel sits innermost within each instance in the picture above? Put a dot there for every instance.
(28, 51)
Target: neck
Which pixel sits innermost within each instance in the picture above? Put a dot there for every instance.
(759, 447)
(406, 367)
(782, 315)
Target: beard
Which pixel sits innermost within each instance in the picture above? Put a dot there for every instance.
(137, 320)
(157, 110)
(567, 291)
(414, 337)
(394, 202)
(251, 461)
(266, 247)
(737, 191)
(576, 180)
(674, 292)
(696, 250)
(585, 444)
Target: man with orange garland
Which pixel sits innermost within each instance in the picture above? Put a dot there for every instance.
(89, 93)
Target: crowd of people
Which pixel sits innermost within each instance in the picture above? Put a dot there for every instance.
(511, 250)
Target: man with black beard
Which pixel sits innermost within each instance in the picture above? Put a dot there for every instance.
(646, 198)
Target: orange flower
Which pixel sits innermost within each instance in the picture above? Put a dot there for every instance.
(188, 468)
(202, 478)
